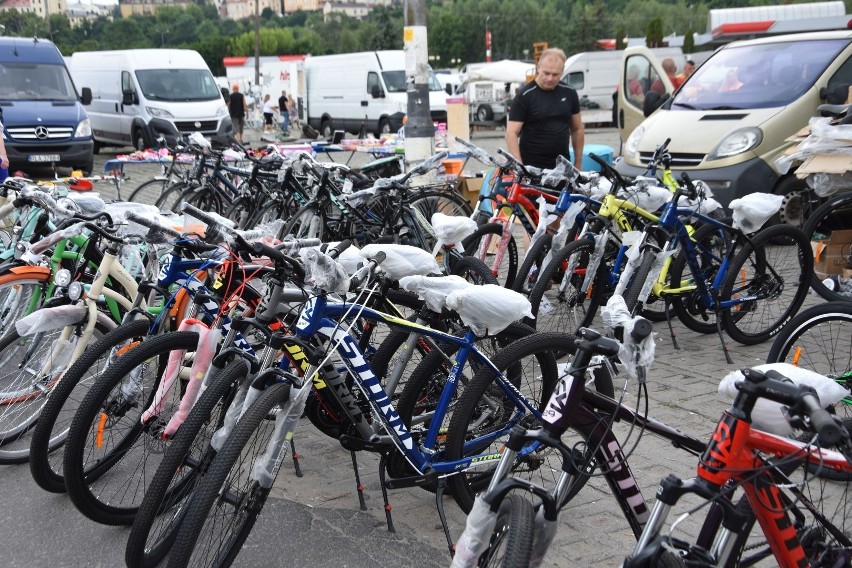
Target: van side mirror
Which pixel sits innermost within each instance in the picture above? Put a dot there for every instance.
(128, 98)
(86, 95)
(652, 102)
(376, 92)
(448, 88)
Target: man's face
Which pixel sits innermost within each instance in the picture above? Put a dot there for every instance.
(549, 72)
(688, 68)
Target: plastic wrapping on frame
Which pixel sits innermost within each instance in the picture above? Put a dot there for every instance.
(768, 415)
(656, 268)
(451, 230)
(545, 531)
(632, 256)
(47, 319)
(489, 309)
(286, 422)
(434, 289)
(633, 356)
(545, 218)
(402, 260)
(234, 412)
(34, 250)
(477, 534)
(829, 184)
(594, 262)
(324, 272)
(752, 211)
(569, 218)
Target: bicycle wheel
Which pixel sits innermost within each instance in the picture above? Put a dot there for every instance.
(820, 339)
(482, 244)
(150, 191)
(172, 198)
(184, 464)
(241, 212)
(833, 215)
(484, 415)
(19, 296)
(306, 223)
(773, 281)
(205, 198)
(110, 455)
(711, 245)
(228, 500)
(513, 535)
(26, 383)
(558, 302)
(51, 430)
(531, 267)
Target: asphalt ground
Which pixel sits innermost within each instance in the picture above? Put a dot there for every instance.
(315, 520)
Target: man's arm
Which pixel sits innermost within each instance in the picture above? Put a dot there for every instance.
(4, 158)
(578, 139)
(513, 136)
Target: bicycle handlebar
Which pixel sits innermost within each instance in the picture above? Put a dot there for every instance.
(153, 225)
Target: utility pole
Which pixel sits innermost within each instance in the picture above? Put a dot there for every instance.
(257, 42)
(419, 131)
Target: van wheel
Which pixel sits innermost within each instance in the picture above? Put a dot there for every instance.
(799, 202)
(87, 169)
(384, 126)
(96, 147)
(484, 113)
(326, 130)
(138, 140)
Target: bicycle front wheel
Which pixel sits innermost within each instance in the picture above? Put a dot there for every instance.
(484, 244)
(306, 223)
(833, 215)
(229, 498)
(768, 283)
(513, 536)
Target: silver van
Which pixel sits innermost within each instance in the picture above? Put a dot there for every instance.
(732, 118)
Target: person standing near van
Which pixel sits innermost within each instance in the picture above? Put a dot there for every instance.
(544, 121)
(284, 110)
(238, 109)
(268, 113)
(4, 157)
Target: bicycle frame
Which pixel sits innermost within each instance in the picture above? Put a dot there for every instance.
(320, 317)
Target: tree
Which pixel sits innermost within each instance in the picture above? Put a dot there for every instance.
(689, 41)
(620, 39)
(654, 35)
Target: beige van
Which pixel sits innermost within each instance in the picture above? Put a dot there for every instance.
(730, 120)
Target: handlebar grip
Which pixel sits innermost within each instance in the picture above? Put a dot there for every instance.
(296, 244)
(201, 215)
(601, 162)
(278, 257)
(338, 249)
(826, 427)
(131, 216)
(642, 328)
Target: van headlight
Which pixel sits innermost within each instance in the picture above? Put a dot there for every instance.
(159, 112)
(221, 110)
(84, 129)
(737, 142)
(631, 147)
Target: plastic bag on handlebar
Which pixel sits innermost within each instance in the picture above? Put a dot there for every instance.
(429, 163)
(564, 170)
(266, 232)
(451, 230)
(47, 201)
(704, 204)
(489, 309)
(324, 272)
(646, 193)
(402, 260)
(597, 188)
(632, 355)
(434, 289)
(88, 203)
(195, 225)
(199, 140)
(350, 259)
(118, 211)
(768, 415)
(356, 198)
(33, 252)
(752, 211)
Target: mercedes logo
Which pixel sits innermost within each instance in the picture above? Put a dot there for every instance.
(198, 124)
(41, 132)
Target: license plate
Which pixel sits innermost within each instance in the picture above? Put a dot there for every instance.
(43, 157)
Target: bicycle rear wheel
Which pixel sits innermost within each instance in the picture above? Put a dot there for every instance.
(485, 413)
(833, 215)
(229, 499)
(771, 280)
(482, 245)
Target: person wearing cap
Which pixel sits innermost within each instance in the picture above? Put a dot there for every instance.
(238, 109)
(688, 68)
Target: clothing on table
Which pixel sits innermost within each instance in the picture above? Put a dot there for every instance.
(547, 117)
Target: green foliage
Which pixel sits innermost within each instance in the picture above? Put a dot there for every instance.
(620, 39)
(654, 35)
(689, 41)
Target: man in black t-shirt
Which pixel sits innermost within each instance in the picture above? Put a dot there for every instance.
(545, 116)
(238, 109)
(284, 111)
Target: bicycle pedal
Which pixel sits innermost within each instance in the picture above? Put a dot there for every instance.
(428, 478)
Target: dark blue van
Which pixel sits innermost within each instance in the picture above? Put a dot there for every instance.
(43, 117)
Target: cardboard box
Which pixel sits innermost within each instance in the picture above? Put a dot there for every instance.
(470, 188)
(833, 258)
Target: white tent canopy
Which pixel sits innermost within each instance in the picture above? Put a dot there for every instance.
(505, 71)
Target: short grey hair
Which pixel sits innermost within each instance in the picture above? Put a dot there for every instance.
(553, 52)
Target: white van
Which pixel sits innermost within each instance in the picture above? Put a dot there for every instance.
(139, 95)
(734, 116)
(351, 91)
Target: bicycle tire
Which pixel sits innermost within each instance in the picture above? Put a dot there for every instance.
(205, 198)
(711, 243)
(172, 197)
(22, 394)
(566, 310)
(512, 539)
(156, 187)
(17, 292)
(777, 275)
(307, 222)
(638, 279)
(184, 464)
(493, 416)
(211, 486)
(107, 432)
(508, 268)
(832, 215)
(241, 212)
(531, 266)
(51, 429)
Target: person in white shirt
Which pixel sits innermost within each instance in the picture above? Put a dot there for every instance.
(268, 112)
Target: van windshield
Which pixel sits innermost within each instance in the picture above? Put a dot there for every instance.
(395, 81)
(757, 76)
(178, 85)
(35, 82)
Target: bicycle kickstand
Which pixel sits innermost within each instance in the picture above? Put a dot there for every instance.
(728, 357)
(669, 322)
(439, 500)
(358, 486)
(383, 461)
(296, 456)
